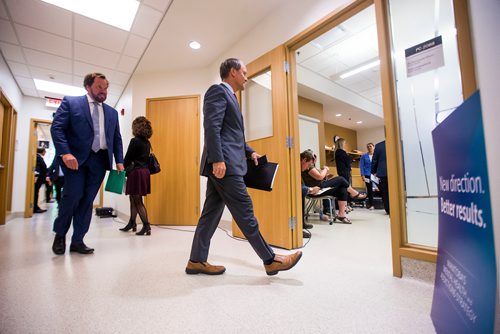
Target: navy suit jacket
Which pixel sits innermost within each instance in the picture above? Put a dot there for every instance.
(379, 160)
(224, 132)
(41, 167)
(72, 130)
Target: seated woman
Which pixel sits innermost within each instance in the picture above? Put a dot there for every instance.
(312, 177)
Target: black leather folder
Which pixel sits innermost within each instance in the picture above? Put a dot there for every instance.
(261, 176)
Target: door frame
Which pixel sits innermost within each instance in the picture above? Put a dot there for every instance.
(399, 242)
(31, 165)
(7, 150)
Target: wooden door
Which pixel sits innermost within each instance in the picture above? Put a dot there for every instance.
(175, 191)
(272, 209)
(30, 170)
(31, 165)
(3, 165)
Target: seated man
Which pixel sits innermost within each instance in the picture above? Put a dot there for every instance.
(311, 177)
(307, 191)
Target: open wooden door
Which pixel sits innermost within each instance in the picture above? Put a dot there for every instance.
(265, 112)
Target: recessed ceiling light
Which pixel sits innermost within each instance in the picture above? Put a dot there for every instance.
(194, 45)
(359, 122)
(338, 115)
(118, 13)
(54, 87)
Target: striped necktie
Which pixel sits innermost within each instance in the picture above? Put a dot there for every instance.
(96, 144)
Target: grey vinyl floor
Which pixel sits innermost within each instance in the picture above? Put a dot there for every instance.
(133, 284)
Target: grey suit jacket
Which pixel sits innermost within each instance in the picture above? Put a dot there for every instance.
(224, 132)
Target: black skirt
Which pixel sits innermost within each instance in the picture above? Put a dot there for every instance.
(138, 182)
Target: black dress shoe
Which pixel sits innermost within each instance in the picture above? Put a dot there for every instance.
(81, 248)
(38, 210)
(307, 226)
(59, 245)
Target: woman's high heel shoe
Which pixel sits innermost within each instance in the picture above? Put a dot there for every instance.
(130, 226)
(146, 229)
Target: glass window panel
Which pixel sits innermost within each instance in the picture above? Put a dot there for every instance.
(424, 100)
(257, 107)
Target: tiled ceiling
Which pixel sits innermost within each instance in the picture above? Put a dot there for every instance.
(42, 41)
(345, 47)
(39, 40)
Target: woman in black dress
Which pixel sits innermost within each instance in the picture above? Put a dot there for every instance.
(136, 164)
(343, 163)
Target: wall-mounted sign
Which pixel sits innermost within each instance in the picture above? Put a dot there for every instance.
(52, 102)
(424, 57)
(466, 281)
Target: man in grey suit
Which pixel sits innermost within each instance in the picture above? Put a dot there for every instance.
(224, 162)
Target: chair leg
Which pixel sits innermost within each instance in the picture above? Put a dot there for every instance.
(332, 217)
(308, 208)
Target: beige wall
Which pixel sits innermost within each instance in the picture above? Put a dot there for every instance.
(349, 135)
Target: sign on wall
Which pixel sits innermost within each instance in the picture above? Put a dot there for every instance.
(424, 57)
(465, 285)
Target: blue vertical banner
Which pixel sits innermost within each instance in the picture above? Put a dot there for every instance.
(465, 287)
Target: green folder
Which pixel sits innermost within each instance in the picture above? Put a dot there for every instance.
(115, 181)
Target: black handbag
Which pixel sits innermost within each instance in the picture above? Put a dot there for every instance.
(154, 164)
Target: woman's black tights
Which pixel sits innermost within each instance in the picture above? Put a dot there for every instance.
(137, 207)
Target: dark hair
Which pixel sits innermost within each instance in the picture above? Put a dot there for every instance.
(370, 143)
(308, 155)
(40, 150)
(227, 65)
(141, 127)
(89, 79)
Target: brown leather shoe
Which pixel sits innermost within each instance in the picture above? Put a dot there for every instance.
(206, 268)
(282, 262)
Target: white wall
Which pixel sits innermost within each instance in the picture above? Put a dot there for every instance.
(9, 85)
(373, 135)
(280, 26)
(277, 28)
(170, 84)
(31, 107)
(485, 27)
(121, 203)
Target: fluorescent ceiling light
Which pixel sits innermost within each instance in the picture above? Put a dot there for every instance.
(360, 69)
(338, 115)
(359, 122)
(54, 87)
(194, 45)
(118, 13)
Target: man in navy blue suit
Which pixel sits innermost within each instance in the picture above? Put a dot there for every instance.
(224, 162)
(56, 176)
(379, 169)
(86, 134)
